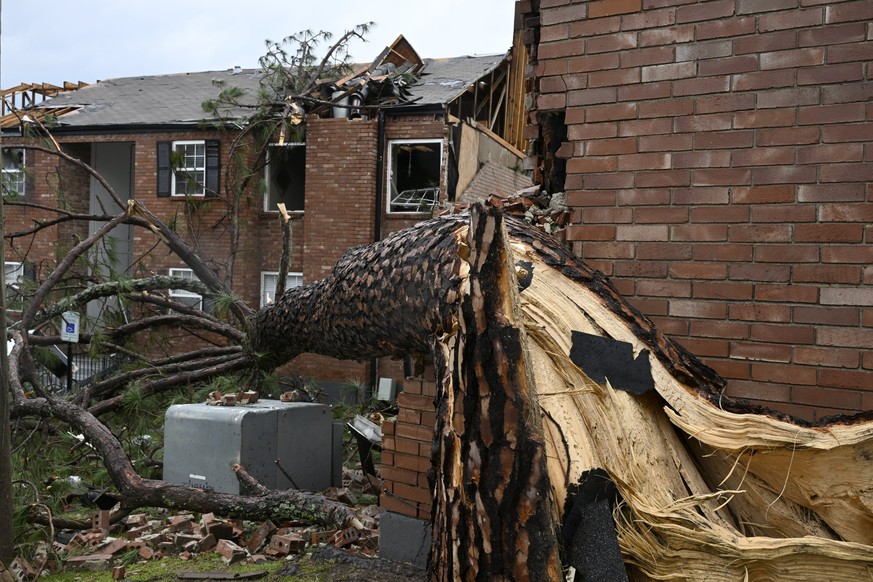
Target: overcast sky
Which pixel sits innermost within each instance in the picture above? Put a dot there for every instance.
(51, 41)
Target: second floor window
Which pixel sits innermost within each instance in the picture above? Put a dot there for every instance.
(13, 172)
(285, 177)
(414, 168)
(188, 168)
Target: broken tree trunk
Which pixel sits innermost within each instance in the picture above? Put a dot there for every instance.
(570, 432)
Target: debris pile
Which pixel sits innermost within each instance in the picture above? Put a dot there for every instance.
(217, 398)
(548, 212)
(139, 538)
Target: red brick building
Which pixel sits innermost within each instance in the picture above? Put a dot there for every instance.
(717, 155)
(348, 178)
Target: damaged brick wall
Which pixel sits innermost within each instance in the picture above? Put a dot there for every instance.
(406, 449)
(340, 213)
(719, 171)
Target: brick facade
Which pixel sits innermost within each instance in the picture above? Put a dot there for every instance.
(718, 162)
(340, 212)
(407, 442)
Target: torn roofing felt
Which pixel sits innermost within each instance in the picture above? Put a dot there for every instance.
(603, 358)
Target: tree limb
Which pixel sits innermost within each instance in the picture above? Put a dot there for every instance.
(138, 492)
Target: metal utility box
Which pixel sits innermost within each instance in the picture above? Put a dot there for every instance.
(202, 442)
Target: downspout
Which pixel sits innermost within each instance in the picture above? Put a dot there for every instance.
(377, 223)
(380, 173)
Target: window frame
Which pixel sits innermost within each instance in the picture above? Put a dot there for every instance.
(13, 287)
(18, 172)
(389, 182)
(179, 295)
(265, 274)
(19, 268)
(201, 186)
(267, 180)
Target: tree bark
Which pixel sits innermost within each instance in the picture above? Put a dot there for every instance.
(385, 299)
(525, 419)
(693, 485)
(494, 516)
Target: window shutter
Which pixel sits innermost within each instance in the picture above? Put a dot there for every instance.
(213, 166)
(165, 171)
(29, 183)
(29, 178)
(29, 271)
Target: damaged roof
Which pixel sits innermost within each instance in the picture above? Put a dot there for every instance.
(175, 100)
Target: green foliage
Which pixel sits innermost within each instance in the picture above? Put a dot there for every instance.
(223, 302)
(45, 356)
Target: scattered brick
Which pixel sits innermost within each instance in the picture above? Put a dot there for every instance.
(208, 542)
(100, 520)
(21, 569)
(136, 520)
(114, 546)
(260, 536)
(230, 552)
(222, 530)
(90, 562)
(289, 543)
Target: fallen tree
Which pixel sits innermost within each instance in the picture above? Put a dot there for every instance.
(558, 402)
(570, 432)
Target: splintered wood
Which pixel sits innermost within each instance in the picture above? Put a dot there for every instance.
(702, 493)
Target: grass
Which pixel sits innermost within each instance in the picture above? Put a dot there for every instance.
(167, 569)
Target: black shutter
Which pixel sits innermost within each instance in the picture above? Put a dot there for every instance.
(29, 178)
(29, 271)
(213, 166)
(165, 171)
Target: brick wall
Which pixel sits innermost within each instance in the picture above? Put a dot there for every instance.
(50, 182)
(339, 213)
(718, 162)
(406, 451)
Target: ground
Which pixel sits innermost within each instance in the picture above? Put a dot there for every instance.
(325, 564)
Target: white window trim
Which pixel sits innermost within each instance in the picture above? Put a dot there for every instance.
(267, 208)
(20, 177)
(389, 182)
(13, 276)
(184, 293)
(194, 168)
(265, 300)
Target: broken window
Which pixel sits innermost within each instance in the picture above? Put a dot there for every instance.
(414, 175)
(268, 284)
(13, 172)
(284, 175)
(184, 296)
